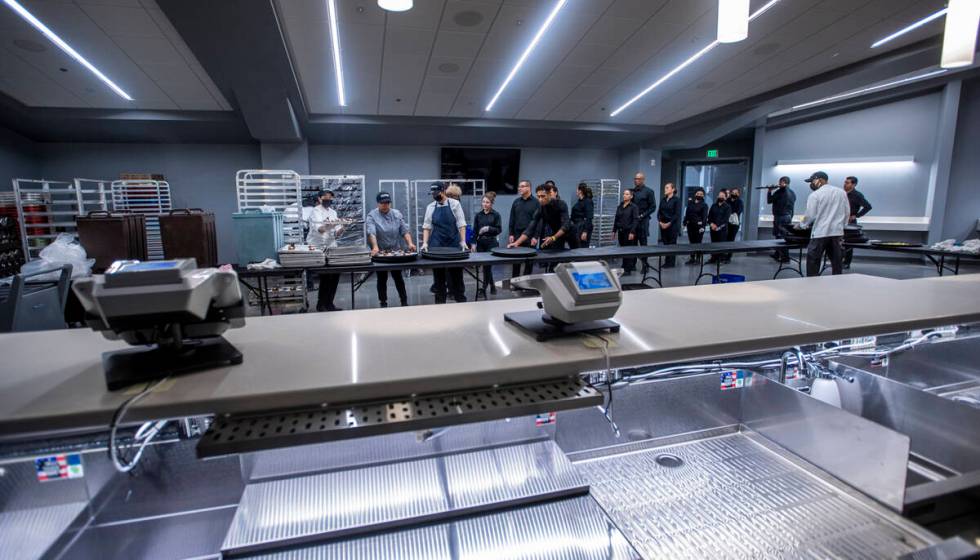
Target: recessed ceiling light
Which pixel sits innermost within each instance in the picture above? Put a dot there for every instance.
(335, 45)
(61, 44)
(905, 30)
(520, 62)
(395, 5)
(960, 36)
(733, 20)
(868, 89)
(686, 63)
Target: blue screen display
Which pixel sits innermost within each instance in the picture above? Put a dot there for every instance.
(592, 281)
(143, 266)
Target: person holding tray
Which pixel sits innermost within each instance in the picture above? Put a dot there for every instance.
(386, 231)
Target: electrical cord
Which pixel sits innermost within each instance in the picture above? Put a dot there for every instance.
(145, 433)
(607, 410)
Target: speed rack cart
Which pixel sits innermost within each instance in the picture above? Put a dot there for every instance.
(348, 201)
(147, 197)
(277, 188)
(605, 194)
(48, 208)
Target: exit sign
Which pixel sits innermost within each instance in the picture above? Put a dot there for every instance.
(712, 153)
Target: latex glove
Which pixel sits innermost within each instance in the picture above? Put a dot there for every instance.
(484, 229)
(375, 251)
(510, 240)
(463, 246)
(472, 248)
(701, 230)
(425, 247)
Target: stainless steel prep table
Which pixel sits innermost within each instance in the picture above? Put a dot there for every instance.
(54, 380)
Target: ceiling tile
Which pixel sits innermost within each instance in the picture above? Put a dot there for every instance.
(118, 20)
(458, 44)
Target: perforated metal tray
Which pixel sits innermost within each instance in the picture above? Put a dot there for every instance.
(331, 423)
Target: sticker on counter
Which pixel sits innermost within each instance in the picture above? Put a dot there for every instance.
(545, 418)
(735, 379)
(862, 342)
(57, 467)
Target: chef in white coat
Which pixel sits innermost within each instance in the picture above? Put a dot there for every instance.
(324, 227)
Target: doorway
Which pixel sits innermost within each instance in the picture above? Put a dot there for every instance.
(712, 176)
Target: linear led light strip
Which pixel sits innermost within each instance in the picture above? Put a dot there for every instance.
(686, 63)
(61, 44)
(905, 30)
(527, 52)
(335, 41)
(869, 89)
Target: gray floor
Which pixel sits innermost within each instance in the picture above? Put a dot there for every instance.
(753, 267)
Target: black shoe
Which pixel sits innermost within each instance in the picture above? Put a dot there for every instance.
(847, 267)
(404, 302)
(320, 308)
(384, 304)
(483, 293)
(440, 300)
(493, 290)
(432, 288)
(332, 308)
(460, 299)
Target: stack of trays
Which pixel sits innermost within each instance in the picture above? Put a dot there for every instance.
(445, 254)
(297, 256)
(854, 234)
(348, 256)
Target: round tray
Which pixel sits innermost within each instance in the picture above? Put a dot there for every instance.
(513, 252)
(411, 257)
(445, 254)
(896, 244)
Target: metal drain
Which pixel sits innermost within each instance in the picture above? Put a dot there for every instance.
(669, 460)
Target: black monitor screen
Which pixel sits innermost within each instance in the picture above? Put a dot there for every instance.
(499, 167)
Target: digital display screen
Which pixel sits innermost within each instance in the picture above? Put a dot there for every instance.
(587, 281)
(144, 266)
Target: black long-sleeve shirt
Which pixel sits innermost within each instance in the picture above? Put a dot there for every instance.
(645, 201)
(521, 213)
(696, 214)
(582, 213)
(490, 220)
(783, 200)
(737, 206)
(859, 204)
(553, 216)
(670, 212)
(719, 213)
(627, 218)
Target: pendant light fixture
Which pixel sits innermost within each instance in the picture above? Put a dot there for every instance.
(960, 37)
(733, 20)
(395, 5)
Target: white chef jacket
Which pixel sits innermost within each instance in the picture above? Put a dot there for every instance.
(318, 217)
(827, 211)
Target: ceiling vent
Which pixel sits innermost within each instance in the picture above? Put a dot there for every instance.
(468, 19)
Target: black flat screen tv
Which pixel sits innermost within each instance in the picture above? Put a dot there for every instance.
(499, 167)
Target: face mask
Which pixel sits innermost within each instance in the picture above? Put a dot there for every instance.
(699, 199)
(437, 196)
(326, 203)
(734, 197)
(721, 201)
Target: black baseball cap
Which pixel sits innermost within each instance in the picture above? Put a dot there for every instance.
(436, 187)
(817, 175)
(324, 192)
(383, 197)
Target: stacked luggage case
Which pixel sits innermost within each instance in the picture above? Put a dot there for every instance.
(190, 233)
(112, 236)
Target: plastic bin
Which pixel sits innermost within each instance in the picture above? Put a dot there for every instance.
(727, 278)
(258, 235)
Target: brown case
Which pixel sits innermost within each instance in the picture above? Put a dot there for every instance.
(190, 233)
(109, 237)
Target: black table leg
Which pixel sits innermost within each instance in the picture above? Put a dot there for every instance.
(956, 272)
(703, 273)
(658, 278)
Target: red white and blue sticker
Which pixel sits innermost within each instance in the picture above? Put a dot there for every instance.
(735, 379)
(545, 418)
(58, 467)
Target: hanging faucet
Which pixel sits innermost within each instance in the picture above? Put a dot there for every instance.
(800, 362)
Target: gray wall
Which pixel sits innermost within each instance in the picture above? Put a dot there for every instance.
(18, 158)
(565, 166)
(200, 175)
(903, 128)
(963, 198)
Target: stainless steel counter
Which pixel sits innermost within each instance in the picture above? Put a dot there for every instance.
(54, 380)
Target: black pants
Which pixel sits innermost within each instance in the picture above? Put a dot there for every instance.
(327, 291)
(576, 242)
(719, 236)
(528, 267)
(396, 275)
(642, 237)
(695, 235)
(732, 233)
(777, 232)
(484, 246)
(833, 246)
(669, 237)
(848, 252)
(629, 264)
(449, 280)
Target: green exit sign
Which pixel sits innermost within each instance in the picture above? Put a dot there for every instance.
(712, 153)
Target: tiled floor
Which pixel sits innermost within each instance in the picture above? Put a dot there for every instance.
(753, 267)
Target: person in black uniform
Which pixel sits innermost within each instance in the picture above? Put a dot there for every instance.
(782, 199)
(625, 225)
(583, 211)
(646, 202)
(859, 207)
(486, 228)
(735, 222)
(669, 220)
(552, 215)
(521, 213)
(695, 220)
(718, 216)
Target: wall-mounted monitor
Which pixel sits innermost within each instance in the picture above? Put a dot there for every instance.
(499, 167)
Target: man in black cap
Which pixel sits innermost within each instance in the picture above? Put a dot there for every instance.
(827, 211)
(859, 207)
(783, 201)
